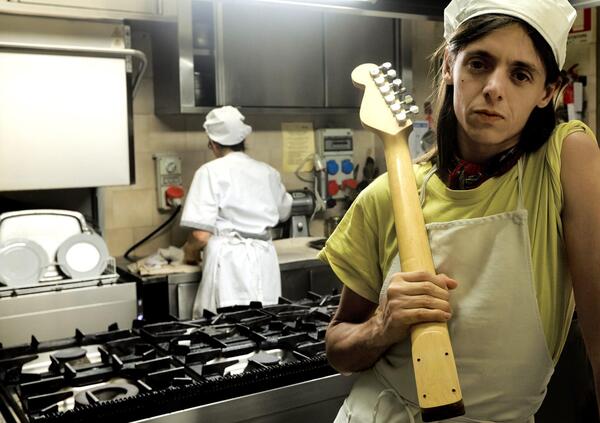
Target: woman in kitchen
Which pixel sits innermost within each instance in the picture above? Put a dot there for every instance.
(511, 201)
(232, 202)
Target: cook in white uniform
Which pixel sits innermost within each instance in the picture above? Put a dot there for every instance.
(232, 202)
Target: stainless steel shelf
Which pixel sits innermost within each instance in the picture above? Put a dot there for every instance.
(314, 400)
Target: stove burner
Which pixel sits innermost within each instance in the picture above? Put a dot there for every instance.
(162, 367)
(265, 358)
(106, 393)
(69, 354)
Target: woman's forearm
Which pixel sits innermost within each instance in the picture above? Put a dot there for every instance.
(353, 347)
(196, 242)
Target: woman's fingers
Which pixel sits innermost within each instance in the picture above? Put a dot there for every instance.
(448, 281)
(418, 297)
(441, 280)
(412, 316)
(420, 302)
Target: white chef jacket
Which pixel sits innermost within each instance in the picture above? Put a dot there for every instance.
(237, 198)
(236, 193)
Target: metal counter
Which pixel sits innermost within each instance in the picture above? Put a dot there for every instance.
(317, 400)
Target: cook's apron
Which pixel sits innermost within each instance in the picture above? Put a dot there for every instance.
(237, 270)
(499, 345)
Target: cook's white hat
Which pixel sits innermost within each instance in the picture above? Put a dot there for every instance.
(551, 18)
(226, 126)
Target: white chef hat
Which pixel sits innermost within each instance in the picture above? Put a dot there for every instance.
(551, 18)
(226, 126)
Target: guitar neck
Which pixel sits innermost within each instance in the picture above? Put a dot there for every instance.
(384, 110)
(413, 243)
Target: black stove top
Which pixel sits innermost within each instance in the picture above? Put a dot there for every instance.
(162, 367)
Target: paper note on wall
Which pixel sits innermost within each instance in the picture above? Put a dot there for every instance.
(298, 146)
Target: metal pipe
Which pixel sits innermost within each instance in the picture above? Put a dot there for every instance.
(85, 51)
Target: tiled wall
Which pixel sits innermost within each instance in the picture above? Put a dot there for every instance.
(130, 212)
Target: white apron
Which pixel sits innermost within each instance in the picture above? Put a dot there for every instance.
(497, 337)
(236, 271)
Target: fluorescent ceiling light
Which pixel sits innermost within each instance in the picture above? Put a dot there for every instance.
(322, 1)
(340, 4)
(339, 1)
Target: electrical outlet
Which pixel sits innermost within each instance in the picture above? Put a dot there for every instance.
(168, 174)
(334, 147)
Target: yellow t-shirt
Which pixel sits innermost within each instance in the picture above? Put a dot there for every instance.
(363, 246)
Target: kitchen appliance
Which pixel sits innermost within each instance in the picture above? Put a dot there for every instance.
(303, 206)
(86, 127)
(79, 282)
(47, 227)
(243, 363)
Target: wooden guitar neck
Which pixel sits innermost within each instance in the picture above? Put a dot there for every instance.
(385, 113)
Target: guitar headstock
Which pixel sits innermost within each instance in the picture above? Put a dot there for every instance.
(385, 106)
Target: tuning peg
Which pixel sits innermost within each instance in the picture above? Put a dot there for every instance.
(391, 98)
(401, 117)
(407, 99)
(396, 104)
(385, 89)
(384, 68)
(380, 80)
(391, 75)
(396, 107)
(398, 88)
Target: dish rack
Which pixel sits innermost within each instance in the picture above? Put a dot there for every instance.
(108, 277)
(52, 229)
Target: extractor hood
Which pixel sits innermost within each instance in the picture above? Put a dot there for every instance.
(580, 4)
(432, 9)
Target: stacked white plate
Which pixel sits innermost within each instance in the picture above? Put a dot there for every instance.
(22, 262)
(48, 245)
(82, 256)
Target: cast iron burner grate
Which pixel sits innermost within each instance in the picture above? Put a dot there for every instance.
(158, 368)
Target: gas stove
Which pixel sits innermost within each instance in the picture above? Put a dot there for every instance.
(160, 368)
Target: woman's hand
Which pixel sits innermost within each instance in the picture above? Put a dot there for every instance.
(191, 255)
(412, 298)
(196, 242)
(361, 331)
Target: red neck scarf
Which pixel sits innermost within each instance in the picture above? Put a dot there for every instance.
(466, 175)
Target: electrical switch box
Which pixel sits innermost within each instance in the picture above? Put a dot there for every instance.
(335, 147)
(168, 179)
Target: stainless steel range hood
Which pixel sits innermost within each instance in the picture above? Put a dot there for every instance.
(580, 4)
(429, 9)
(402, 9)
